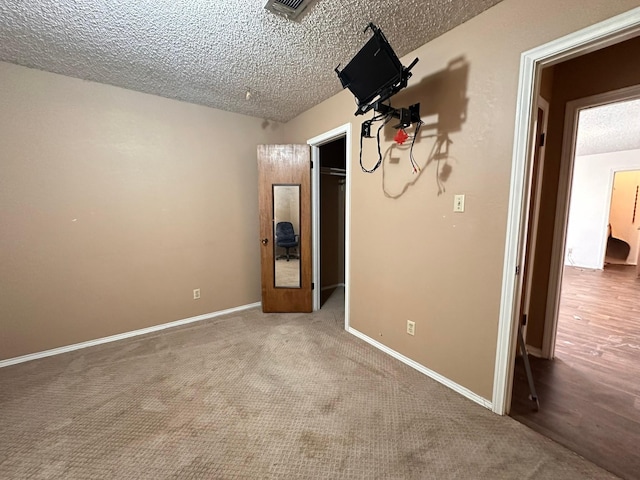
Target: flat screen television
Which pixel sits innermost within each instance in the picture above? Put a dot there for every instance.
(375, 73)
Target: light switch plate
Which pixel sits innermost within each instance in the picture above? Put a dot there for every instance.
(458, 203)
(411, 327)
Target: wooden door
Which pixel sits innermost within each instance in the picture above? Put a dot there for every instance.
(534, 205)
(284, 200)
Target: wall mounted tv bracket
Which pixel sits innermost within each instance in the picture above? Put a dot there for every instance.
(407, 117)
(392, 90)
(387, 94)
(375, 73)
(404, 80)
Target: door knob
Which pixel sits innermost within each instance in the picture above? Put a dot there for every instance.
(264, 241)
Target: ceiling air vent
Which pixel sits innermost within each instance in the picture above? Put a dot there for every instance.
(291, 9)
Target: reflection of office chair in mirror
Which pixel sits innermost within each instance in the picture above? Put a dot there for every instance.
(286, 238)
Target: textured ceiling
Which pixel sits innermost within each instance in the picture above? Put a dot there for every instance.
(609, 128)
(212, 52)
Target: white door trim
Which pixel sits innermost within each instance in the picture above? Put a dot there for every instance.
(572, 113)
(315, 143)
(608, 32)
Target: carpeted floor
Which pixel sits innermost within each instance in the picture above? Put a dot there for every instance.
(256, 395)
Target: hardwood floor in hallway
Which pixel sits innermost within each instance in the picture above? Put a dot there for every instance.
(590, 393)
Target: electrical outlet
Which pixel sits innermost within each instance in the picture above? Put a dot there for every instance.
(458, 203)
(411, 327)
(196, 293)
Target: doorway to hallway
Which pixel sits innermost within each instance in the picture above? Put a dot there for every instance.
(587, 382)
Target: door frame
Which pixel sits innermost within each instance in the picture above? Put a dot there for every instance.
(608, 32)
(315, 143)
(570, 132)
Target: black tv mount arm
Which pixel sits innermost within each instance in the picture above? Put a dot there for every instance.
(407, 116)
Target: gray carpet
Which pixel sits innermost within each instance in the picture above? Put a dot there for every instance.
(256, 395)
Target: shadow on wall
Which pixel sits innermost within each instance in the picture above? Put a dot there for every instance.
(269, 124)
(443, 109)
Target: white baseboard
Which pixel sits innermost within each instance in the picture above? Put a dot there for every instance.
(122, 336)
(465, 392)
(329, 287)
(535, 351)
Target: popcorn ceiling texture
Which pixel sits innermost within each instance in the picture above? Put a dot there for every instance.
(211, 52)
(609, 128)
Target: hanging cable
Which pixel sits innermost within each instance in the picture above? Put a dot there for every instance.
(414, 164)
(379, 162)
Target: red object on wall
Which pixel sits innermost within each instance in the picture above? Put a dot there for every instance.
(401, 136)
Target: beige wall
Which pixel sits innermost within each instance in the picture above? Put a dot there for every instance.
(115, 205)
(598, 72)
(411, 257)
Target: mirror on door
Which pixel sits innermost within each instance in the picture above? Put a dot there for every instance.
(286, 234)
